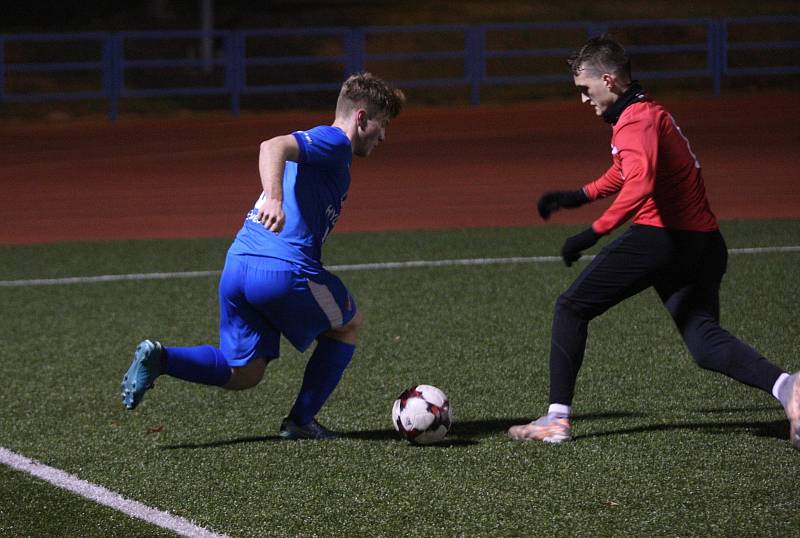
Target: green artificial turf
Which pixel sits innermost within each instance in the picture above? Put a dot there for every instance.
(662, 448)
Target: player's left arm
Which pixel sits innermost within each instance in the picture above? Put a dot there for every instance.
(272, 159)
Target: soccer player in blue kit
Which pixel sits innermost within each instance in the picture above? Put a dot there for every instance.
(273, 282)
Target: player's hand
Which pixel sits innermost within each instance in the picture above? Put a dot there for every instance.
(552, 201)
(271, 215)
(575, 245)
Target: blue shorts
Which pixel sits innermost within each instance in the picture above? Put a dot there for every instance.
(263, 298)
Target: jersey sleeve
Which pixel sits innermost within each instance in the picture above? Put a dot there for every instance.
(606, 185)
(637, 145)
(322, 146)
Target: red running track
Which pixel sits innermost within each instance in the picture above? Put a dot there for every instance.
(439, 168)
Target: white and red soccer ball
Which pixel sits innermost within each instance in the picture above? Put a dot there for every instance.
(422, 415)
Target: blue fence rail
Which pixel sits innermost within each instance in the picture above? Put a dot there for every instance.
(473, 57)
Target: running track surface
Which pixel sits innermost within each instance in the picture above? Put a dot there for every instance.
(439, 168)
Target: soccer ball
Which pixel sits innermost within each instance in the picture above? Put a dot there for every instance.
(422, 414)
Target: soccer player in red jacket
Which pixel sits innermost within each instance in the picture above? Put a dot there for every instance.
(674, 245)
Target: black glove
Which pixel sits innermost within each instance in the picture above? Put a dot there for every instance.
(574, 245)
(555, 200)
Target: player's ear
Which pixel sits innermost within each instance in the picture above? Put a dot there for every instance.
(609, 80)
(361, 119)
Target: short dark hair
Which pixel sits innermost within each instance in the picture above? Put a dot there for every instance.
(371, 93)
(600, 55)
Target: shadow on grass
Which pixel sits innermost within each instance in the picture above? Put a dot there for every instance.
(466, 433)
(227, 442)
(470, 429)
(463, 431)
(778, 429)
(375, 435)
(712, 410)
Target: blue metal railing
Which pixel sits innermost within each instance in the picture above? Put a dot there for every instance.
(726, 45)
(471, 52)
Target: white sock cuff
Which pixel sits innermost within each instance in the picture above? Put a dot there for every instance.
(776, 388)
(559, 409)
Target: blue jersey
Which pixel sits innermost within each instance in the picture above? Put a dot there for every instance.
(314, 189)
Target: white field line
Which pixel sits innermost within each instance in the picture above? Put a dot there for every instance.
(338, 268)
(104, 496)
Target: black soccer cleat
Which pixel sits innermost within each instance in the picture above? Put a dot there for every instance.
(292, 431)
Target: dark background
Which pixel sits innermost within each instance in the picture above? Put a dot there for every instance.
(37, 16)
(82, 15)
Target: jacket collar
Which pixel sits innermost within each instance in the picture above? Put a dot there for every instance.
(633, 94)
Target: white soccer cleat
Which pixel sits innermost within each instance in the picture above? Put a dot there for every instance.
(550, 429)
(793, 409)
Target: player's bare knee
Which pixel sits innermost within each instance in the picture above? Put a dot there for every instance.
(247, 376)
(348, 332)
(354, 324)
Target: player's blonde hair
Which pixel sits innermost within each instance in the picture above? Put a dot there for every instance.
(365, 90)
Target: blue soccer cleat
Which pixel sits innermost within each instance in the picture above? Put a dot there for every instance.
(141, 374)
(292, 431)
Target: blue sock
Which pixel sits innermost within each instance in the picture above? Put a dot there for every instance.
(323, 372)
(200, 364)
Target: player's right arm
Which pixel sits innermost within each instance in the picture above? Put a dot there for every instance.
(607, 184)
(637, 141)
(272, 159)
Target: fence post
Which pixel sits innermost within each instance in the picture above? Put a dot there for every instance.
(715, 54)
(475, 61)
(234, 68)
(2, 68)
(112, 73)
(355, 44)
(723, 48)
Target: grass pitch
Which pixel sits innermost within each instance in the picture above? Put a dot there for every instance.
(662, 448)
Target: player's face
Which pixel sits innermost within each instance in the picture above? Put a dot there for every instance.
(596, 90)
(371, 132)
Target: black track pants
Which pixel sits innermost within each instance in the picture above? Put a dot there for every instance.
(686, 270)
